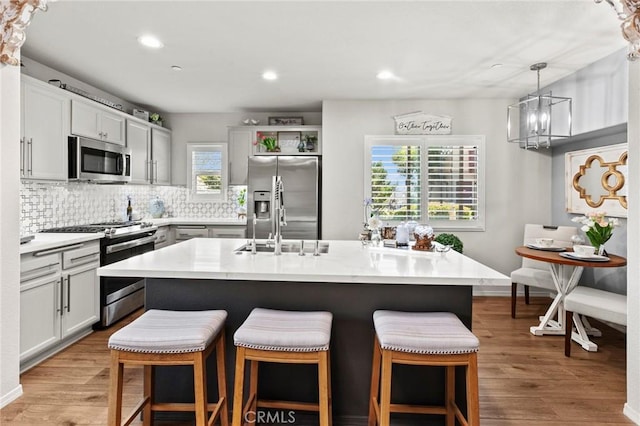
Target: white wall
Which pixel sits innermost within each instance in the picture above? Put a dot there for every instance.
(518, 182)
(10, 388)
(212, 127)
(632, 407)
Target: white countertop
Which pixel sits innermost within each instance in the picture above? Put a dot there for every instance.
(45, 241)
(346, 261)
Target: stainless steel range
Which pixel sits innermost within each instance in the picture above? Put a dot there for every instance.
(119, 296)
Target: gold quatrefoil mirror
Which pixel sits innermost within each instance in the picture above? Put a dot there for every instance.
(596, 179)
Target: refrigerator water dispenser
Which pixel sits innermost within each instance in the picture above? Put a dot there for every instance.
(262, 208)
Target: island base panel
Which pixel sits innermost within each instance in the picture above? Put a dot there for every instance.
(352, 306)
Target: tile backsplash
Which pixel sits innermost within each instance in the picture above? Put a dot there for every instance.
(47, 205)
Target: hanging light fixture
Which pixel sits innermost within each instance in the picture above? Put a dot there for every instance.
(539, 118)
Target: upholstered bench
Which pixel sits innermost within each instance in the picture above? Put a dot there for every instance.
(423, 338)
(170, 338)
(596, 303)
(286, 337)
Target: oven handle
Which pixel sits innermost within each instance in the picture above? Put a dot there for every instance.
(130, 244)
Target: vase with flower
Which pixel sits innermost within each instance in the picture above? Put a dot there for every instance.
(269, 143)
(598, 228)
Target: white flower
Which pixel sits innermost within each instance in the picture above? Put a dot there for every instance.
(585, 228)
(374, 222)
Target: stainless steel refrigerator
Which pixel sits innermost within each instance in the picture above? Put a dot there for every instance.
(300, 188)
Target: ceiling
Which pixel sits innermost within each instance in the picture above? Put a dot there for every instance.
(320, 49)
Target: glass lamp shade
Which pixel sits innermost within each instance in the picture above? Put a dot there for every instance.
(537, 120)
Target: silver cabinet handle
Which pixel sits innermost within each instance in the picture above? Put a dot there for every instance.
(60, 308)
(155, 174)
(57, 250)
(88, 257)
(68, 293)
(130, 244)
(30, 146)
(21, 156)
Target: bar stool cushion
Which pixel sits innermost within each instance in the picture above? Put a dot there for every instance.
(164, 332)
(423, 332)
(289, 331)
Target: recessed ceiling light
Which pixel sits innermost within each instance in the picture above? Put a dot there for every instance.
(269, 75)
(496, 65)
(385, 75)
(176, 68)
(150, 41)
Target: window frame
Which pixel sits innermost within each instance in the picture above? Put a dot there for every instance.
(221, 147)
(425, 142)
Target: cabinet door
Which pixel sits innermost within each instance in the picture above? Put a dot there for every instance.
(85, 120)
(45, 127)
(228, 232)
(188, 232)
(161, 156)
(240, 141)
(40, 309)
(80, 299)
(139, 140)
(112, 126)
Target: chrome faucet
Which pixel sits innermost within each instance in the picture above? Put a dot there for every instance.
(280, 214)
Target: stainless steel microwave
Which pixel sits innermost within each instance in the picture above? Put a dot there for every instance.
(94, 160)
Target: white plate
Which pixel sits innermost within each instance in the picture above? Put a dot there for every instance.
(589, 257)
(545, 248)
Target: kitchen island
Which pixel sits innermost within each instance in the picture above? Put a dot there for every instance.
(351, 281)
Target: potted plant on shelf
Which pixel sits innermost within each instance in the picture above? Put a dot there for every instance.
(242, 199)
(270, 144)
(450, 240)
(156, 118)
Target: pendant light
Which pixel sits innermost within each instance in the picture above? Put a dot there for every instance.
(539, 118)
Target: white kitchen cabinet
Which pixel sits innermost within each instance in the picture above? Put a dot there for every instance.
(165, 237)
(160, 156)
(59, 298)
(97, 122)
(139, 140)
(240, 141)
(44, 131)
(186, 232)
(231, 231)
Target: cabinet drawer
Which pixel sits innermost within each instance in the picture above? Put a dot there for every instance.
(81, 256)
(191, 232)
(228, 232)
(38, 266)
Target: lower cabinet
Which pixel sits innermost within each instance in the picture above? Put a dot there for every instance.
(165, 237)
(186, 232)
(59, 299)
(228, 231)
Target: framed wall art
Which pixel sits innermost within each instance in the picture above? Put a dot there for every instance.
(285, 121)
(596, 179)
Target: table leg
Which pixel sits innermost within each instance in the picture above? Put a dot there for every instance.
(565, 278)
(580, 336)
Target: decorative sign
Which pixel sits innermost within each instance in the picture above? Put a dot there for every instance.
(596, 179)
(420, 123)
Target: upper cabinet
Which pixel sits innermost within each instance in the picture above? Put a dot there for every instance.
(139, 140)
(279, 140)
(97, 122)
(44, 131)
(240, 140)
(287, 140)
(160, 156)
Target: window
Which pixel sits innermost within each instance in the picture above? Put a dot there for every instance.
(207, 171)
(430, 179)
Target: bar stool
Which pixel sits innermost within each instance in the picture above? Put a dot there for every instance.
(170, 338)
(423, 338)
(285, 337)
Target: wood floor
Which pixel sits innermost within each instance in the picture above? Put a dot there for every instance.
(524, 380)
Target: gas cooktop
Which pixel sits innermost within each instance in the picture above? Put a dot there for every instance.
(111, 229)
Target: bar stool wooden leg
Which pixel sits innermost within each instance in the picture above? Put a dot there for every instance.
(238, 387)
(375, 382)
(329, 389)
(473, 403)
(222, 380)
(450, 395)
(323, 391)
(148, 392)
(253, 386)
(115, 395)
(200, 389)
(385, 389)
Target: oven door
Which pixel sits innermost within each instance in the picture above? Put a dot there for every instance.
(119, 296)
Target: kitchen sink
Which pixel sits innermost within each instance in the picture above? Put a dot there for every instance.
(287, 247)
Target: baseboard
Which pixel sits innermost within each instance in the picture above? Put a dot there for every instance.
(11, 396)
(633, 414)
